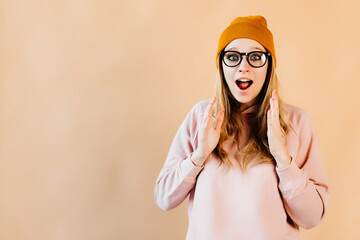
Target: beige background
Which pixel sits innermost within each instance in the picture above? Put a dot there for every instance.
(93, 92)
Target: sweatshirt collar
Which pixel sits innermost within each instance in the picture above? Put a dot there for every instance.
(251, 110)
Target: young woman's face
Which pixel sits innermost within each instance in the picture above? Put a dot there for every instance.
(253, 79)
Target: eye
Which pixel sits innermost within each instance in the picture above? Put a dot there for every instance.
(232, 57)
(256, 56)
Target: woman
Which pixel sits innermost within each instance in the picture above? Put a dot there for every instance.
(249, 162)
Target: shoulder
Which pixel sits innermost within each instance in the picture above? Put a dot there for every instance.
(294, 112)
(298, 118)
(199, 107)
(195, 113)
(193, 118)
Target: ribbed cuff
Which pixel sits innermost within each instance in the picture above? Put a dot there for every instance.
(189, 170)
(289, 176)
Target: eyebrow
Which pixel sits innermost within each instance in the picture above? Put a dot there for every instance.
(256, 48)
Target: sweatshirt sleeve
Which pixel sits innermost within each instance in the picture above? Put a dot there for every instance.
(178, 175)
(304, 184)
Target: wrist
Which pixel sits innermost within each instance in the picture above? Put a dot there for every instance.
(284, 161)
(196, 159)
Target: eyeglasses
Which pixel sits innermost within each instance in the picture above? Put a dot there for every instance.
(256, 59)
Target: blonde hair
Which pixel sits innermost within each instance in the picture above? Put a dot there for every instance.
(256, 151)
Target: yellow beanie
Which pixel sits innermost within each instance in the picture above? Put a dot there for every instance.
(253, 27)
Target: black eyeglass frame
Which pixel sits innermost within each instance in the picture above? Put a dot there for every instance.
(247, 54)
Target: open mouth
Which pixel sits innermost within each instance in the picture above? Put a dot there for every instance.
(244, 84)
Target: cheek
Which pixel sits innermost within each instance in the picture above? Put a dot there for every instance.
(228, 74)
(261, 76)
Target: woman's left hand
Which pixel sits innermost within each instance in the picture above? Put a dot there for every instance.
(277, 143)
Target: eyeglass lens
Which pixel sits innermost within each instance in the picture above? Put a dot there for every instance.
(255, 59)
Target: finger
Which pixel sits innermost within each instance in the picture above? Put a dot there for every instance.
(269, 120)
(274, 108)
(206, 125)
(273, 93)
(210, 105)
(204, 119)
(207, 121)
(219, 120)
(276, 101)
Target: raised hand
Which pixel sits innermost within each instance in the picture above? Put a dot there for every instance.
(208, 136)
(276, 141)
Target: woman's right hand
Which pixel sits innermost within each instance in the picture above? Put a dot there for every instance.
(208, 136)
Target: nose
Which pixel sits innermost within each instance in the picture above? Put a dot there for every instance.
(244, 66)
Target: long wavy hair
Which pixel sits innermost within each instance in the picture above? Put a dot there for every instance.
(256, 151)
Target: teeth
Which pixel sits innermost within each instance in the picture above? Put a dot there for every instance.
(245, 80)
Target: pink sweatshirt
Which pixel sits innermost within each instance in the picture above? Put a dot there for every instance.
(263, 203)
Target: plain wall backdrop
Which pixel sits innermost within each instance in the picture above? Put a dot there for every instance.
(93, 92)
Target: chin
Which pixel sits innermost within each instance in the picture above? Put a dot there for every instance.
(244, 100)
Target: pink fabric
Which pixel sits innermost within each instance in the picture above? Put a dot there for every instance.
(264, 203)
